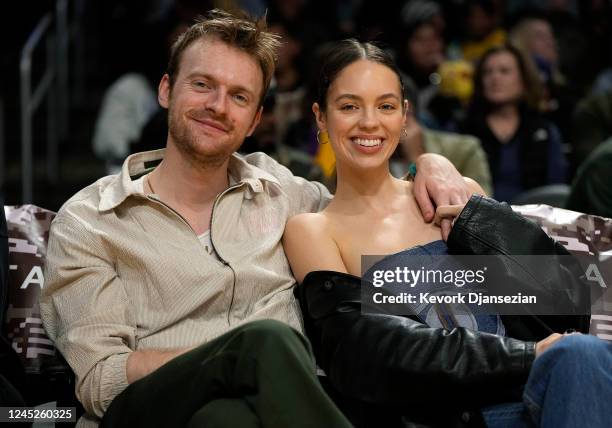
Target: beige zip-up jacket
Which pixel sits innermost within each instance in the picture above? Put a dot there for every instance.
(125, 272)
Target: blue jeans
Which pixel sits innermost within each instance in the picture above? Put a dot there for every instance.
(570, 385)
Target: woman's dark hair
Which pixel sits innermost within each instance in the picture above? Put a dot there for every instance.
(531, 82)
(343, 53)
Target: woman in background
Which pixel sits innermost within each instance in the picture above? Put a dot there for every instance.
(524, 148)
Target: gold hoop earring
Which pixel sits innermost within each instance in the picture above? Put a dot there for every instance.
(322, 137)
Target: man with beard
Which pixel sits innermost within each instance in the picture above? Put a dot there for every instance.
(167, 289)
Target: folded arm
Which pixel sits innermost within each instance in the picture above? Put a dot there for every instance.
(90, 317)
(474, 367)
(387, 359)
(85, 310)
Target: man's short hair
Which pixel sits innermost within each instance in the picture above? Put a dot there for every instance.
(237, 30)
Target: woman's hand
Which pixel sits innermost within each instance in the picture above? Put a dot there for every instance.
(544, 344)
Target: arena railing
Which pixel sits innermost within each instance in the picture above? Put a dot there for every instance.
(56, 31)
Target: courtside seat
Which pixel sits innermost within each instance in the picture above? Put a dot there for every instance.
(49, 379)
(552, 194)
(46, 379)
(589, 238)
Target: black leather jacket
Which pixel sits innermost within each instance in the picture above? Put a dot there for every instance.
(388, 370)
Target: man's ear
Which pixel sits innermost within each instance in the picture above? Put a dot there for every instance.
(319, 117)
(163, 91)
(256, 121)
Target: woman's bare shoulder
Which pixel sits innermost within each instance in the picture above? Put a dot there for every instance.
(308, 223)
(308, 220)
(310, 246)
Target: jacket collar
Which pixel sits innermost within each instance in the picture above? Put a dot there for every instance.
(121, 186)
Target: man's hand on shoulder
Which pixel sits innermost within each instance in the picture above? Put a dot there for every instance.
(439, 183)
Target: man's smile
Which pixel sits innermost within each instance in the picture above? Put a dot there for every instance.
(210, 124)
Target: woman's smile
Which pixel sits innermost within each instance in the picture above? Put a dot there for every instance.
(368, 145)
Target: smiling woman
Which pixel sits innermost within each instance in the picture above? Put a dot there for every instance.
(366, 110)
(361, 107)
(391, 369)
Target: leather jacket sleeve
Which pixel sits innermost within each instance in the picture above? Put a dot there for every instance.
(393, 360)
(488, 227)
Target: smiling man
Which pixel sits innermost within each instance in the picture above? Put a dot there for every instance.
(167, 289)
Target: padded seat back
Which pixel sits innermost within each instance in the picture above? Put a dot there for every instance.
(28, 232)
(589, 238)
(48, 378)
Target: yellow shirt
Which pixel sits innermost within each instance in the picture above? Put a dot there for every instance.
(472, 51)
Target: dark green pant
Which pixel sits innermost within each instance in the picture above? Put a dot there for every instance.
(260, 374)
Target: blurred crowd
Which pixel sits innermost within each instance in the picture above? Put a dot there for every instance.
(517, 94)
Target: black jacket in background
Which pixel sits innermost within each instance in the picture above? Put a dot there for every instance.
(533, 148)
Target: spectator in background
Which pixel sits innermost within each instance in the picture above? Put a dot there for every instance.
(583, 32)
(603, 80)
(596, 17)
(421, 49)
(591, 191)
(571, 39)
(535, 38)
(306, 19)
(127, 106)
(130, 103)
(301, 136)
(464, 151)
(440, 96)
(264, 139)
(481, 30)
(374, 21)
(290, 89)
(524, 149)
(591, 124)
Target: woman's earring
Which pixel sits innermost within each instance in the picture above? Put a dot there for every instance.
(322, 137)
(405, 132)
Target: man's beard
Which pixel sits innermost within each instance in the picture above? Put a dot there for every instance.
(187, 141)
